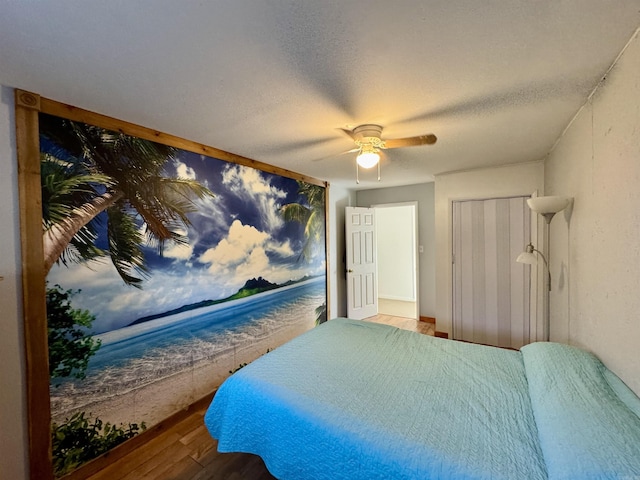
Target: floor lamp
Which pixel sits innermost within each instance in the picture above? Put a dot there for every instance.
(547, 207)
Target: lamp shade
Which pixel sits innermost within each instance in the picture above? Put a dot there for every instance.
(527, 257)
(549, 204)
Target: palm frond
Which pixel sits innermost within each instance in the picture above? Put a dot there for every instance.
(172, 200)
(295, 212)
(65, 185)
(134, 168)
(124, 246)
(321, 314)
(311, 214)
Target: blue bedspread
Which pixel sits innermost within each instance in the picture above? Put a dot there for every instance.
(358, 400)
(587, 418)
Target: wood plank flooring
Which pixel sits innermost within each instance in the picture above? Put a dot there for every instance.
(405, 323)
(186, 451)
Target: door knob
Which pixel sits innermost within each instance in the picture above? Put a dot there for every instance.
(350, 271)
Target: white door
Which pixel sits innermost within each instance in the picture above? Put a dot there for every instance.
(362, 298)
(491, 290)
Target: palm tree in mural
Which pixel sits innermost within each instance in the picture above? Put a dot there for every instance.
(312, 216)
(95, 180)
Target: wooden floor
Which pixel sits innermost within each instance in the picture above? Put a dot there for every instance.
(406, 324)
(186, 451)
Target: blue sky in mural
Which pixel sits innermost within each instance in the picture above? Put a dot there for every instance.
(233, 237)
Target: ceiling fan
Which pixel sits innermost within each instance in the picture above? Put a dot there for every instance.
(368, 142)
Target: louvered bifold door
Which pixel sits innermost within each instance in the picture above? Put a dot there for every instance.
(490, 289)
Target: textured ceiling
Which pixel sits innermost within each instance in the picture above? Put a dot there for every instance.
(497, 81)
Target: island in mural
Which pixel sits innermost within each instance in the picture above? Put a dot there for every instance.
(167, 270)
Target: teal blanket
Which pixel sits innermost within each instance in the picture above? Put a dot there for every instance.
(587, 418)
(358, 400)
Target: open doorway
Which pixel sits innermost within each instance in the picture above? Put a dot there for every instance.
(397, 259)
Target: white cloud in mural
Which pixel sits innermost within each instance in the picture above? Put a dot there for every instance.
(179, 251)
(209, 218)
(244, 179)
(243, 254)
(283, 249)
(239, 243)
(184, 171)
(131, 299)
(257, 265)
(94, 272)
(249, 183)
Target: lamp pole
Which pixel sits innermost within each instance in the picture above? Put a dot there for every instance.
(548, 206)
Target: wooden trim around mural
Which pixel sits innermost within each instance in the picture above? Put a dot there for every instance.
(327, 250)
(79, 115)
(27, 107)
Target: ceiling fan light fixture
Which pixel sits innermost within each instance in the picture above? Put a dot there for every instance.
(369, 142)
(368, 157)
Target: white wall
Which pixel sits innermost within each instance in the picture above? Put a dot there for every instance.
(424, 195)
(507, 181)
(596, 262)
(13, 435)
(339, 198)
(395, 235)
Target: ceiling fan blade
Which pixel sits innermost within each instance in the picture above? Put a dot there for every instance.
(429, 139)
(348, 132)
(336, 155)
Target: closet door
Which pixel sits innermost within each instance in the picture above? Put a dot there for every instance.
(491, 290)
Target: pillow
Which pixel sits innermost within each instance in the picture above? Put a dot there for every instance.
(624, 393)
(586, 430)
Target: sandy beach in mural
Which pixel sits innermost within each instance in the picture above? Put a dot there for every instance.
(157, 400)
(185, 356)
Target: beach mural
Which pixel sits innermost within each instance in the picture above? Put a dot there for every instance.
(166, 271)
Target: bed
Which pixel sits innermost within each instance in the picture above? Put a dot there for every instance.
(359, 400)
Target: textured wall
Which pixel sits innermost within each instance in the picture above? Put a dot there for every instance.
(339, 198)
(596, 252)
(12, 395)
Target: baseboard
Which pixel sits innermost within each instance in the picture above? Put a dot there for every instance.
(427, 319)
(99, 463)
(441, 334)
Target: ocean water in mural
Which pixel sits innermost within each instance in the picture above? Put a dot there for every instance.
(157, 349)
(195, 335)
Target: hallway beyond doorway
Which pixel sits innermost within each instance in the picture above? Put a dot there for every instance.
(397, 308)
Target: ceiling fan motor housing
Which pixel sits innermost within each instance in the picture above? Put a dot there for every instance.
(368, 134)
